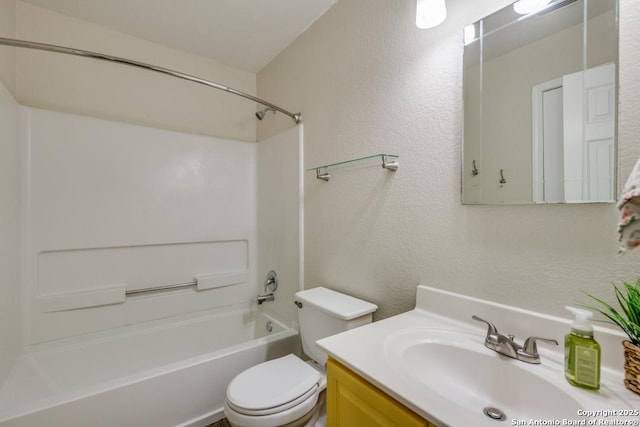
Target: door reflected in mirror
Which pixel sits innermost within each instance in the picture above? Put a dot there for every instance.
(540, 104)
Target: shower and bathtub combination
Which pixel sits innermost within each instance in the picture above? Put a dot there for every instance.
(142, 252)
(165, 373)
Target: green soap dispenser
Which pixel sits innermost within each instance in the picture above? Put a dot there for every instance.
(581, 352)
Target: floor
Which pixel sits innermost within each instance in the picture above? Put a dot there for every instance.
(222, 423)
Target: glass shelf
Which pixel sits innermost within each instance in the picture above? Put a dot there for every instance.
(389, 162)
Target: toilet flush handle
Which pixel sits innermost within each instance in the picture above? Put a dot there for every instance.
(298, 303)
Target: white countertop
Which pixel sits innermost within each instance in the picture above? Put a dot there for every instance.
(366, 351)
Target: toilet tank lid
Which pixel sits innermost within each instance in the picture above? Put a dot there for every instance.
(335, 303)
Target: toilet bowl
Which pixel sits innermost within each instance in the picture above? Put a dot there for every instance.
(280, 392)
(288, 392)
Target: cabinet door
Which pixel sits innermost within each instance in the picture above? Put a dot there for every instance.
(354, 402)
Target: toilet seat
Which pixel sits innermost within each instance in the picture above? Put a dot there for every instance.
(275, 392)
(285, 417)
(273, 386)
(311, 393)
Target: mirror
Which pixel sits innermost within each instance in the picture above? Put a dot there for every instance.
(540, 91)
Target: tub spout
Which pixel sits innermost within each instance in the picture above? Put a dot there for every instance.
(266, 297)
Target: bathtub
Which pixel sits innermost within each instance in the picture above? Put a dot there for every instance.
(164, 373)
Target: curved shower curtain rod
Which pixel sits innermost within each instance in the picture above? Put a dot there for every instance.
(296, 117)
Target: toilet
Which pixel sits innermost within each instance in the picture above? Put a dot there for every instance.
(289, 392)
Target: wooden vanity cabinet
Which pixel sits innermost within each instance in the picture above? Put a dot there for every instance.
(354, 402)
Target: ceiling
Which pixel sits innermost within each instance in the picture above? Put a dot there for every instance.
(245, 34)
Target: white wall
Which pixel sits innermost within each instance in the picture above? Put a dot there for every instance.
(279, 215)
(112, 91)
(108, 204)
(368, 81)
(9, 225)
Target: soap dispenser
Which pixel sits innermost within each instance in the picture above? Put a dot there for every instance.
(582, 352)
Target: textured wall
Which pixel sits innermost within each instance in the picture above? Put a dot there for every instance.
(9, 224)
(368, 81)
(112, 91)
(7, 54)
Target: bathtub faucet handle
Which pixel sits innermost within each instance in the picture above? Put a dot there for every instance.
(271, 282)
(270, 286)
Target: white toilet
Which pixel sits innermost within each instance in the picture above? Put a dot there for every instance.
(287, 391)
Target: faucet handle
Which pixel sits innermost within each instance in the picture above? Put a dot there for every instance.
(271, 282)
(529, 351)
(491, 328)
(530, 346)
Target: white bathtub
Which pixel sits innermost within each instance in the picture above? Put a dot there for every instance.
(158, 374)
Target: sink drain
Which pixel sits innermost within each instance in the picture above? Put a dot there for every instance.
(494, 413)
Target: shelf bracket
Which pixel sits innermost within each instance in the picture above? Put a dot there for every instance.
(323, 174)
(391, 165)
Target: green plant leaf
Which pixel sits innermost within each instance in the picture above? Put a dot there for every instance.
(627, 316)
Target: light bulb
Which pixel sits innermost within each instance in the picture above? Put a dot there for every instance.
(430, 13)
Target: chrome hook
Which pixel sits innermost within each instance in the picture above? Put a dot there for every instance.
(474, 171)
(502, 180)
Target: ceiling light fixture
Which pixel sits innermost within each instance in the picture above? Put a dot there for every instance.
(430, 13)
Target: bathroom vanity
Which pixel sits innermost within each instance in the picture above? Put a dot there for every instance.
(353, 401)
(430, 367)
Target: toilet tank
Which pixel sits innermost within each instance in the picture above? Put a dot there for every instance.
(323, 312)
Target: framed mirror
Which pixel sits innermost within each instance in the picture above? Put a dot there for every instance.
(540, 104)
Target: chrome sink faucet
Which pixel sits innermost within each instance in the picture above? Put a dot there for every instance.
(506, 345)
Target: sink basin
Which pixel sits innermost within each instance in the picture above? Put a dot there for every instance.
(457, 367)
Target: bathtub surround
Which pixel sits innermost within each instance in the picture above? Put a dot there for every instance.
(108, 205)
(149, 190)
(9, 243)
(9, 287)
(279, 208)
(367, 80)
